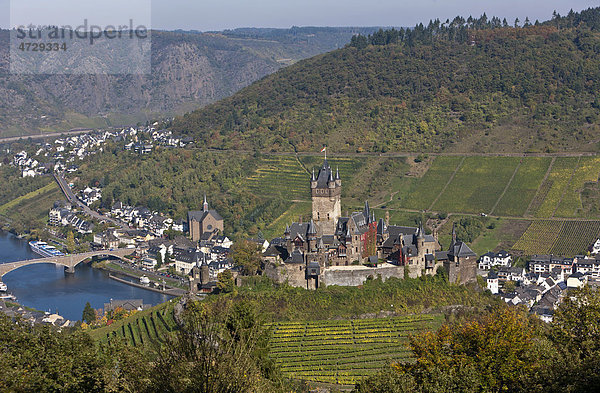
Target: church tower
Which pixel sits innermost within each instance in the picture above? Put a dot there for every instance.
(326, 191)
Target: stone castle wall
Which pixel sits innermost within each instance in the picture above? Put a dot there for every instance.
(356, 275)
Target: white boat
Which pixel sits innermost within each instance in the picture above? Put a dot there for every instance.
(144, 280)
(3, 287)
(44, 249)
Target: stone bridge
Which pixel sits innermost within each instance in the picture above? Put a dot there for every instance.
(68, 261)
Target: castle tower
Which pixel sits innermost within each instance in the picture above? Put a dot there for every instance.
(326, 191)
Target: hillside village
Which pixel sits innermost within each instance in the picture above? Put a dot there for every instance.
(329, 249)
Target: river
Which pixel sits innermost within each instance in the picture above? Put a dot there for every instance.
(46, 287)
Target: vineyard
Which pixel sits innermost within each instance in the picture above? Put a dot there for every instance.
(280, 176)
(557, 184)
(587, 171)
(566, 238)
(575, 237)
(477, 185)
(286, 176)
(524, 186)
(143, 328)
(344, 351)
(422, 194)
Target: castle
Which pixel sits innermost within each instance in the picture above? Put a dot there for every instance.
(332, 249)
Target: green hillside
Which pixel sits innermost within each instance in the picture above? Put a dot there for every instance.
(478, 87)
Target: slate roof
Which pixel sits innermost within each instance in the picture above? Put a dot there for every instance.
(298, 229)
(461, 250)
(295, 257)
(325, 175)
(199, 215)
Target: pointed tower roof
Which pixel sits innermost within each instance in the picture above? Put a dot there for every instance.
(205, 204)
(381, 226)
(348, 234)
(330, 176)
(453, 235)
(312, 229)
(366, 211)
(420, 231)
(337, 173)
(313, 177)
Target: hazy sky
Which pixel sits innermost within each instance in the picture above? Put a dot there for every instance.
(224, 14)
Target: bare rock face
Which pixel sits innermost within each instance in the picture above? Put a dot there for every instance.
(189, 70)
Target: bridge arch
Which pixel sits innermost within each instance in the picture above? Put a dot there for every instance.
(68, 261)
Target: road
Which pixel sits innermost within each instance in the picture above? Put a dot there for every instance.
(75, 131)
(62, 183)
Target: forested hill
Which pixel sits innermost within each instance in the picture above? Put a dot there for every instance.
(467, 85)
(189, 69)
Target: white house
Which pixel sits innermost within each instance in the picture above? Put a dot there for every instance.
(595, 248)
(492, 282)
(490, 259)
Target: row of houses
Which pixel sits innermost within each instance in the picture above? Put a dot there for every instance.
(547, 282)
(186, 254)
(62, 153)
(62, 214)
(143, 218)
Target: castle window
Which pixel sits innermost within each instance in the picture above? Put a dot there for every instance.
(327, 216)
(318, 216)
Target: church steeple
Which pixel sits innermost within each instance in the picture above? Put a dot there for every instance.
(205, 205)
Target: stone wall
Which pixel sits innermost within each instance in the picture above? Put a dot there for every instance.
(357, 275)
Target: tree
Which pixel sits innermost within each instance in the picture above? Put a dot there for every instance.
(230, 357)
(89, 315)
(70, 242)
(494, 353)
(159, 260)
(509, 286)
(225, 281)
(246, 254)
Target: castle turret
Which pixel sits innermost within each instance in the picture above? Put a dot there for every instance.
(326, 193)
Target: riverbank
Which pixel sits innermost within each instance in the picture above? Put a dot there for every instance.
(167, 291)
(125, 270)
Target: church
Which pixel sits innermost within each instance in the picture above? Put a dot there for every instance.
(331, 245)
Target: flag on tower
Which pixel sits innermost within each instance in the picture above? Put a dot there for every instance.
(323, 149)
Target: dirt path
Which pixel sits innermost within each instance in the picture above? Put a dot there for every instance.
(528, 211)
(506, 188)
(448, 183)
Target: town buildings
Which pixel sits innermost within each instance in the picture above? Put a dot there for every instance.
(332, 249)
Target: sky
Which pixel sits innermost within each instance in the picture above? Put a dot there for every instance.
(227, 14)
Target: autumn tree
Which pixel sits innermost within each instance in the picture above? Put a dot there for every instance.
(246, 253)
(225, 281)
(70, 242)
(497, 352)
(216, 349)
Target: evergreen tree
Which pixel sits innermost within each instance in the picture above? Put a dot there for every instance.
(159, 260)
(89, 315)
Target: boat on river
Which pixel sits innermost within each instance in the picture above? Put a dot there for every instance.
(44, 249)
